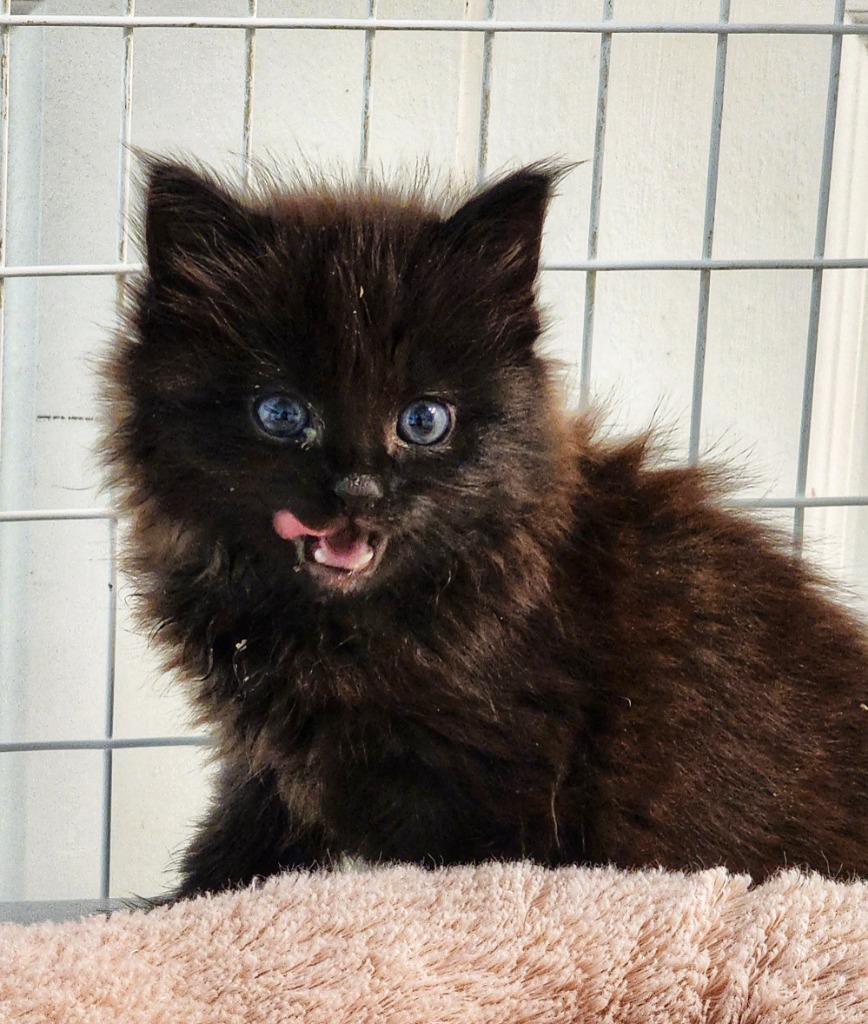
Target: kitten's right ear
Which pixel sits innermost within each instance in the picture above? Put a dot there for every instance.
(501, 226)
(190, 220)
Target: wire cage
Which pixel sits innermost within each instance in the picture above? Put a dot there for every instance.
(706, 263)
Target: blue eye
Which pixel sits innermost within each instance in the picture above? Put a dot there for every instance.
(281, 416)
(424, 422)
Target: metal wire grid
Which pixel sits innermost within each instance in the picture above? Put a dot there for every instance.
(606, 28)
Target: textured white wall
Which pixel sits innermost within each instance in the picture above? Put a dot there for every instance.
(66, 113)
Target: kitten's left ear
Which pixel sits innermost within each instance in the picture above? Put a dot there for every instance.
(502, 225)
(191, 219)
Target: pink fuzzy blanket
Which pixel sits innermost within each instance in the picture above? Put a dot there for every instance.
(506, 944)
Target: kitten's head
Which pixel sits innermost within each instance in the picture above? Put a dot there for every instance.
(337, 384)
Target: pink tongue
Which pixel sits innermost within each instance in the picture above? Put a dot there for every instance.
(342, 548)
(287, 526)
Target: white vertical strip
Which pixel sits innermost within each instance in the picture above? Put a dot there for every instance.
(249, 71)
(596, 195)
(817, 276)
(367, 93)
(837, 461)
(485, 96)
(4, 180)
(708, 239)
(13, 846)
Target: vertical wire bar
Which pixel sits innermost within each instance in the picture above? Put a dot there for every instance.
(485, 95)
(249, 69)
(4, 183)
(594, 216)
(125, 190)
(817, 277)
(111, 625)
(708, 239)
(367, 93)
(126, 156)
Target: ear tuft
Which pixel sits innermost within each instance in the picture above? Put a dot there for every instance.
(502, 225)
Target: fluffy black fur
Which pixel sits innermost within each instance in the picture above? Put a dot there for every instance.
(555, 651)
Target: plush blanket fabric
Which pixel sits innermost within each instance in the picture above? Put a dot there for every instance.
(506, 944)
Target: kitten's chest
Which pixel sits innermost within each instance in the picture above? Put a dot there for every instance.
(417, 772)
(381, 788)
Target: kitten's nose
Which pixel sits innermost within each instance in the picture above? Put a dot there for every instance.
(358, 488)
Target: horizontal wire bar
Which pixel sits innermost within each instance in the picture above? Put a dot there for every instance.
(113, 743)
(430, 25)
(71, 269)
(797, 263)
(34, 515)
(46, 515)
(798, 502)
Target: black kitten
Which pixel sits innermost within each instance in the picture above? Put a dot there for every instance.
(429, 615)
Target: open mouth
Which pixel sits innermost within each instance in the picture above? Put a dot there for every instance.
(342, 554)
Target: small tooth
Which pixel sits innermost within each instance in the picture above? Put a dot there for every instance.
(319, 555)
